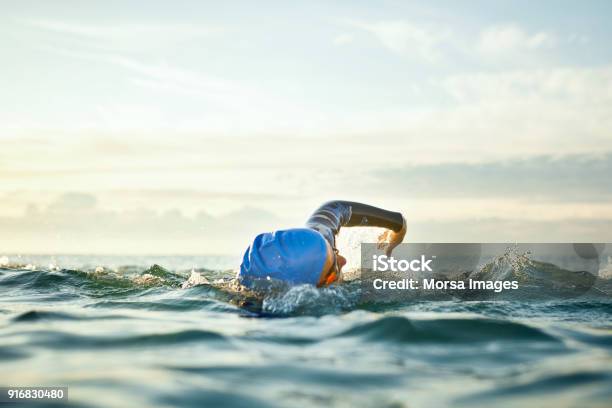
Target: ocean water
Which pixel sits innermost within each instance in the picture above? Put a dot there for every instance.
(169, 331)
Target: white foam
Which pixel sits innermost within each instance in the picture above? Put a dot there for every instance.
(195, 279)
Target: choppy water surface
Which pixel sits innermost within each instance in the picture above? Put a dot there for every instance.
(164, 331)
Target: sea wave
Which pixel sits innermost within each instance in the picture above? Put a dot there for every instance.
(201, 288)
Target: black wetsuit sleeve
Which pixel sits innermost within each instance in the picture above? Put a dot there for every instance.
(331, 216)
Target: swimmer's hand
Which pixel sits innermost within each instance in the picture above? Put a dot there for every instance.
(389, 239)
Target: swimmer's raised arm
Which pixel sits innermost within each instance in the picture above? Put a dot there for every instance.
(331, 216)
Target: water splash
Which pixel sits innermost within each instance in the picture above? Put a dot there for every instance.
(308, 300)
(195, 279)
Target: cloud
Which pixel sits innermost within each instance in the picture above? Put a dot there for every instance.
(189, 100)
(483, 229)
(435, 42)
(120, 31)
(580, 39)
(343, 39)
(169, 77)
(122, 37)
(188, 97)
(73, 203)
(590, 85)
(511, 38)
(407, 39)
(74, 224)
(578, 178)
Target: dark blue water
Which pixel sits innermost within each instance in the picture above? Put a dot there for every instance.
(170, 331)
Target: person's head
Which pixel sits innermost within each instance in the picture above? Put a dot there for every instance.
(295, 256)
(332, 267)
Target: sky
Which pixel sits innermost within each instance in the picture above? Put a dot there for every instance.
(188, 127)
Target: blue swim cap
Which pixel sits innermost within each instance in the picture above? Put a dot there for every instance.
(295, 256)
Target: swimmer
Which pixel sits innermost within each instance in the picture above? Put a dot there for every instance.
(308, 255)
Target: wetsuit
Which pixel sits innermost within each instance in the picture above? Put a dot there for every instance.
(331, 216)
